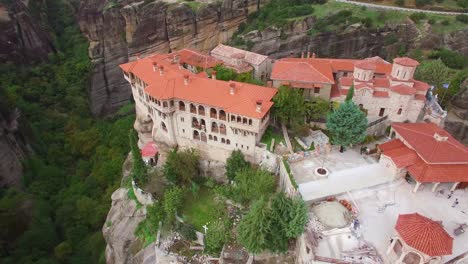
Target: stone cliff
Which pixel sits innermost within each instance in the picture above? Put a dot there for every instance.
(23, 37)
(457, 118)
(120, 30)
(13, 149)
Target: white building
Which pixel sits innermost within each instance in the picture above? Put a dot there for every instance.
(190, 110)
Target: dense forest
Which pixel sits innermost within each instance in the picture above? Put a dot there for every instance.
(76, 159)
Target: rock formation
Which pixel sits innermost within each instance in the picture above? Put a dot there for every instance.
(457, 118)
(23, 38)
(120, 30)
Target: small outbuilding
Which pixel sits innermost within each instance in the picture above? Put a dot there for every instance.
(150, 153)
(419, 240)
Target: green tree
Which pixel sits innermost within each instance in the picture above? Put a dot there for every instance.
(139, 173)
(347, 124)
(433, 72)
(182, 167)
(289, 105)
(287, 220)
(235, 163)
(173, 199)
(317, 108)
(252, 184)
(217, 235)
(253, 230)
(350, 94)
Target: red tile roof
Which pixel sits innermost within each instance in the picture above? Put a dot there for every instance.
(401, 155)
(365, 65)
(346, 81)
(420, 137)
(149, 150)
(195, 58)
(423, 172)
(421, 97)
(171, 85)
(420, 86)
(302, 71)
(405, 61)
(381, 82)
(424, 234)
(403, 89)
(364, 85)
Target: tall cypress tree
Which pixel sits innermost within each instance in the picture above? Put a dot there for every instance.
(350, 94)
(138, 169)
(347, 124)
(254, 227)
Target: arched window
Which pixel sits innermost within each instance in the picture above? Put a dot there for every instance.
(223, 140)
(228, 141)
(196, 135)
(213, 113)
(210, 137)
(164, 104)
(239, 119)
(233, 118)
(163, 126)
(171, 103)
(193, 109)
(214, 127)
(195, 123)
(361, 106)
(412, 257)
(181, 106)
(215, 138)
(222, 129)
(222, 115)
(250, 122)
(399, 111)
(203, 137)
(201, 110)
(202, 124)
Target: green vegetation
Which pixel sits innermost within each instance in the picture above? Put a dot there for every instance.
(182, 167)
(347, 124)
(139, 173)
(289, 105)
(227, 74)
(235, 163)
(316, 108)
(252, 184)
(202, 207)
(450, 58)
(269, 135)
(271, 226)
(288, 169)
(433, 72)
(148, 228)
(76, 162)
(219, 233)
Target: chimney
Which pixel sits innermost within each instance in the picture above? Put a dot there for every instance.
(308, 54)
(213, 75)
(155, 66)
(258, 106)
(176, 58)
(313, 55)
(269, 83)
(440, 137)
(161, 70)
(302, 55)
(232, 88)
(186, 79)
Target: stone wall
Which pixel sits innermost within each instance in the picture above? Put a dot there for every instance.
(285, 182)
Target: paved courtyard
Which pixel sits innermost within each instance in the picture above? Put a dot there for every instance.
(348, 171)
(377, 227)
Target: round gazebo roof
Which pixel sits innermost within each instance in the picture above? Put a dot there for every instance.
(149, 150)
(424, 234)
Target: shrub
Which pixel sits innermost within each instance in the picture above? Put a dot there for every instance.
(450, 58)
(445, 22)
(217, 235)
(400, 2)
(187, 231)
(462, 3)
(462, 18)
(431, 21)
(418, 16)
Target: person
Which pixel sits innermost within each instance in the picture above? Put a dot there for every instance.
(455, 203)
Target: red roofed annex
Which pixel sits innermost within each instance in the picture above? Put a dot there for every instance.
(181, 106)
(427, 153)
(383, 89)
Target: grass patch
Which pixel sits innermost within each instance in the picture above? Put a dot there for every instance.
(131, 195)
(269, 134)
(194, 5)
(201, 208)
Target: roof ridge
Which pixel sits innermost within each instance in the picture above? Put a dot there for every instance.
(319, 71)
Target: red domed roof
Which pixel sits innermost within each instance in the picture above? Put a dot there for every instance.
(424, 234)
(149, 150)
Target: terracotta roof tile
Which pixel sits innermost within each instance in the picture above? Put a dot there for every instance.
(421, 97)
(302, 71)
(249, 57)
(380, 94)
(365, 65)
(424, 234)
(195, 58)
(401, 155)
(149, 150)
(405, 61)
(381, 82)
(171, 85)
(420, 86)
(403, 89)
(420, 137)
(346, 81)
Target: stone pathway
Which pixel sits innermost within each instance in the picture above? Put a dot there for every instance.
(286, 138)
(396, 8)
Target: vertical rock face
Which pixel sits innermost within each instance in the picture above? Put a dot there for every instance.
(12, 150)
(119, 30)
(457, 118)
(23, 38)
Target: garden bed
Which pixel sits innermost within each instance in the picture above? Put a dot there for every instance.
(201, 208)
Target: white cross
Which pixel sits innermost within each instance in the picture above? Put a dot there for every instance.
(205, 227)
